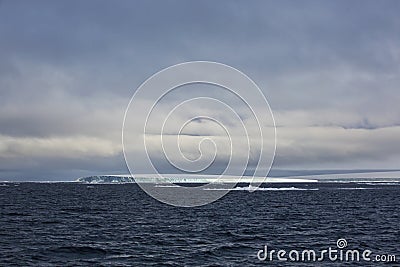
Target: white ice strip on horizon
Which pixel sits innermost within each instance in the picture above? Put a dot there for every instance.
(250, 188)
(355, 175)
(371, 177)
(202, 178)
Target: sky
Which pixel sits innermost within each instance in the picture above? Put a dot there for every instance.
(329, 69)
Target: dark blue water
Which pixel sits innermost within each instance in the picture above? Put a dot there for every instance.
(71, 224)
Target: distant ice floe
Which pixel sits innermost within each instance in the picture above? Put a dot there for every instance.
(190, 178)
(383, 177)
(357, 188)
(252, 188)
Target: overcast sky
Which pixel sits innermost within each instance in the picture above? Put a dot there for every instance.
(329, 69)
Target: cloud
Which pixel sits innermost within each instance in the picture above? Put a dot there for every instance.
(337, 147)
(67, 147)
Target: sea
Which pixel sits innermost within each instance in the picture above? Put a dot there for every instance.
(78, 224)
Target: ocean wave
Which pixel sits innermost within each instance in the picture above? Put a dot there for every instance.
(79, 250)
